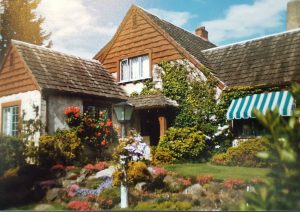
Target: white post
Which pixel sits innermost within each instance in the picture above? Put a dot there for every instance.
(124, 192)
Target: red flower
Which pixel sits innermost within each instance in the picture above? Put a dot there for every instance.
(100, 113)
(67, 110)
(184, 182)
(98, 134)
(79, 205)
(81, 130)
(100, 166)
(92, 125)
(76, 115)
(109, 123)
(107, 131)
(103, 142)
(233, 183)
(89, 167)
(204, 179)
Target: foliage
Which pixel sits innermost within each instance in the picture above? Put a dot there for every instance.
(11, 153)
(165, 205)
(245, 154)
(183, 144)
(282, 192)
(137, 172)
(108, 198)
(62, 147)
(19, 21)
(149, 88)
(162, 156)
(11, 172)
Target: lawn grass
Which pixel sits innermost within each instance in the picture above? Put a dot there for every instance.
(218, 172)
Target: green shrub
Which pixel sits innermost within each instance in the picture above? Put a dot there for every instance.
(165, 205)
(11, 153)
(162, 156)
(62, 147)
(245, 154)
(182, 144)
(108, 198)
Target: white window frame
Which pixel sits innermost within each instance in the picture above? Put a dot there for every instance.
(11, 128)
(129, 69)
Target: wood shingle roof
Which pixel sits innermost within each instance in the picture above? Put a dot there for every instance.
(271, 60)
(152, 101)
(57, 71)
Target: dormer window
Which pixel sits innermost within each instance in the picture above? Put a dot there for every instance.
(135, 68)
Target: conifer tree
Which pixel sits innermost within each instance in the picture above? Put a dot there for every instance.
(19, 21)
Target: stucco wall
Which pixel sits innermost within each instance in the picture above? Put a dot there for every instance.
(56, 108)
(28, 99)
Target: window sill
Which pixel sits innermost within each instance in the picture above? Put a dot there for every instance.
(133, 81)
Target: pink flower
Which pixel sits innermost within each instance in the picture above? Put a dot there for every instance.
(185, 182)
(72, 190)
(233, 183)
(160, 171)
(47, 184)
(89, 167)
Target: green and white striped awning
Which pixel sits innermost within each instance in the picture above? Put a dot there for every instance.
(243, 108)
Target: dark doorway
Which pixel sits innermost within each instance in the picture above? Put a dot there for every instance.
(150, 125)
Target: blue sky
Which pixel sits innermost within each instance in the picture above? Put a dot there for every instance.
(83, 27)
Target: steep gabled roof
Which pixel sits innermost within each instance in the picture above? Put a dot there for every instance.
(183, 39)
(57, 71)
(273, 59)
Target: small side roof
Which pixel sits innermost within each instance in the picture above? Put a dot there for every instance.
(57, 71)
(270, 60)
(152, 101)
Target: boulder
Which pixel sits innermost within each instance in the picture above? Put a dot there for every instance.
(44, 207)
(140, 186)
(171, 183)
(194, 190)
(81, 178)
(104, 173)
(67, 183)
(52, 194)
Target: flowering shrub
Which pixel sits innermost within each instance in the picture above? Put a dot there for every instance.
(257, 181)
(79, 205)
(234, 183)
(69, 168)
(204, 179)
(89, 167)
(109, 198)
(100, 165)
(94, 130)
(184, 182)
(159, 171)
(72, 189)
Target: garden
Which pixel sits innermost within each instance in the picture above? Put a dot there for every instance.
(88, 167)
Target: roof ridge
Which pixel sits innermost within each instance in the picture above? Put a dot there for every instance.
(254, 39)
(53, 50)
(171, 23)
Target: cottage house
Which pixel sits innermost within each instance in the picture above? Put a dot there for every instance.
(34, 76)
(143, 40)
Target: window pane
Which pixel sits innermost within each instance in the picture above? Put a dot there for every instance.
(145, 67)
(124, 73)
(135, 68)
(10, 120)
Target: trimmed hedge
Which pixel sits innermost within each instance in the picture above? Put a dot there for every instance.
(245, 154)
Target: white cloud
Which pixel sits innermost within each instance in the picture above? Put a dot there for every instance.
(82, 27)
(176, 18)
(246, 20)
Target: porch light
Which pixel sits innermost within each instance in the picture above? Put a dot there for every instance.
(123, 111)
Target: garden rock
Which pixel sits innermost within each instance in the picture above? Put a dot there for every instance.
(67, 183)
(71, 176)
(81, 178)
(140, 186)
(171, 183)
(44, 207)
(52, 194)
(104, 173)
(195, 190)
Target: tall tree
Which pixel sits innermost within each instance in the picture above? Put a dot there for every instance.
(19, 21)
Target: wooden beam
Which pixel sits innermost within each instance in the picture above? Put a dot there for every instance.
(162, 125)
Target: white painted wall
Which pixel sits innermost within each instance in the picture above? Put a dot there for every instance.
(28, 99)
(56, 110)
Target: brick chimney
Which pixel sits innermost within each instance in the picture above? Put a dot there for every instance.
(202, 33)
(293, 14)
